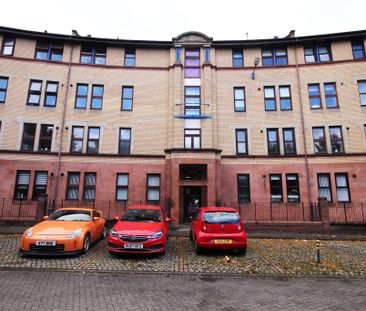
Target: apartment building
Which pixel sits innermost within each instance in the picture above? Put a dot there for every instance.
(182, 123)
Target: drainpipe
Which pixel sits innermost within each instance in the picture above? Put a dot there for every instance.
(302, 124)
(53, 196)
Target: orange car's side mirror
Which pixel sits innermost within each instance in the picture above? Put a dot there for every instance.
(116, 218)
(167, 219)
(45, 217)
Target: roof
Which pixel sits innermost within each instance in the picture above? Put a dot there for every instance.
(291, 39)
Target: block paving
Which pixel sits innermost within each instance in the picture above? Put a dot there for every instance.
(264, 257)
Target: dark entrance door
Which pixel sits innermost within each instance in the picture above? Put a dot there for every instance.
(192, 200)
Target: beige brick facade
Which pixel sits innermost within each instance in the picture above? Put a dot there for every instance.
(158, 121)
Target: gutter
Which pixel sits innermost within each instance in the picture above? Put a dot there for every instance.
(302, 123)
(54, 192)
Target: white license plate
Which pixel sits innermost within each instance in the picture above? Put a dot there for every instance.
(133, 246)
(46, 243)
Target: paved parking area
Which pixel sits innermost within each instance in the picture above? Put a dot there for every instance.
(62, 291)
(264, 257)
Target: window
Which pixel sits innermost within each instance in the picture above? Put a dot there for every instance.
(34, 93)
(130, 57)
(153, 187)
(361, 92)
(177, 54)
(50, 98)
(192, 63)
(127, 98)
(22, 185)
(289, 143)
(276, 187)
(207, 54)
(273, 143)
(269, 98)
(8, 46)
(193, 171)
(81, 96)
(314, 96)
(72, 189)
(358, 49)
(49, 51)
(93, 55)
(77, 137)
(324, 189)
(239, 99)
(342, 187)
(45, 138)
(192, 100)
(320, 145)
(285, 97)
(122, 187)
(97, 97)
(3, 89)
(336, 139)
(192, 138)
(93, 140)
(330, 92)
(238, 58)
(317, 53)
(243, 188)
(40, 184)
(89, 186)
(241, 141)
(29, 133)
(276, 56)
(124, 141)
(364, 129)
(292, 184)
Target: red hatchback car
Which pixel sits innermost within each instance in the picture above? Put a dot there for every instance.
(218, 228)
(142, 229)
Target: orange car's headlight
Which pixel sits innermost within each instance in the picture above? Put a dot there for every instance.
(75, 233)
(29, 233)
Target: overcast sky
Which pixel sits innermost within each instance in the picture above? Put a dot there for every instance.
(164, 19)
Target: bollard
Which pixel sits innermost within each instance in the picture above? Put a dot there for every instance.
(317, 251)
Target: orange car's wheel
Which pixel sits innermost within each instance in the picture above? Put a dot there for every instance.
(86, 243)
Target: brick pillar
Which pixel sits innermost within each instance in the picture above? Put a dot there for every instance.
(41, 206)
(324, 211)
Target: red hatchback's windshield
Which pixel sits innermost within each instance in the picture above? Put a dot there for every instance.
(221, 217)
(142, 215)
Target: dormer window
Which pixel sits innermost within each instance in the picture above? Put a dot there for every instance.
(8, 46)
(49, 51)
(93, 55)
(317, 53)
(274, 57)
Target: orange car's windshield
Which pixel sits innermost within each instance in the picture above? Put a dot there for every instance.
(70, 215)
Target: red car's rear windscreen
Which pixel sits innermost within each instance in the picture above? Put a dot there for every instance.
(221, 217)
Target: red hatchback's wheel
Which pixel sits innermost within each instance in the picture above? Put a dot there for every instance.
(197, 249)
(242, 251)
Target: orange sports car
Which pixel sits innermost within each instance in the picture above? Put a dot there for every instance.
(67, 231)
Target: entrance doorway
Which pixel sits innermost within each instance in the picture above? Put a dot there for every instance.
(193, 198)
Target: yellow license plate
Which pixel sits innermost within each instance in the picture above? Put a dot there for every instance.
(223, 241)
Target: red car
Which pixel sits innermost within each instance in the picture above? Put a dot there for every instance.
(142, 229)
(218, 228)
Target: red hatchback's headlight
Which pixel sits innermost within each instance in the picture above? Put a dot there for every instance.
(113, 233)
(156, 235)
